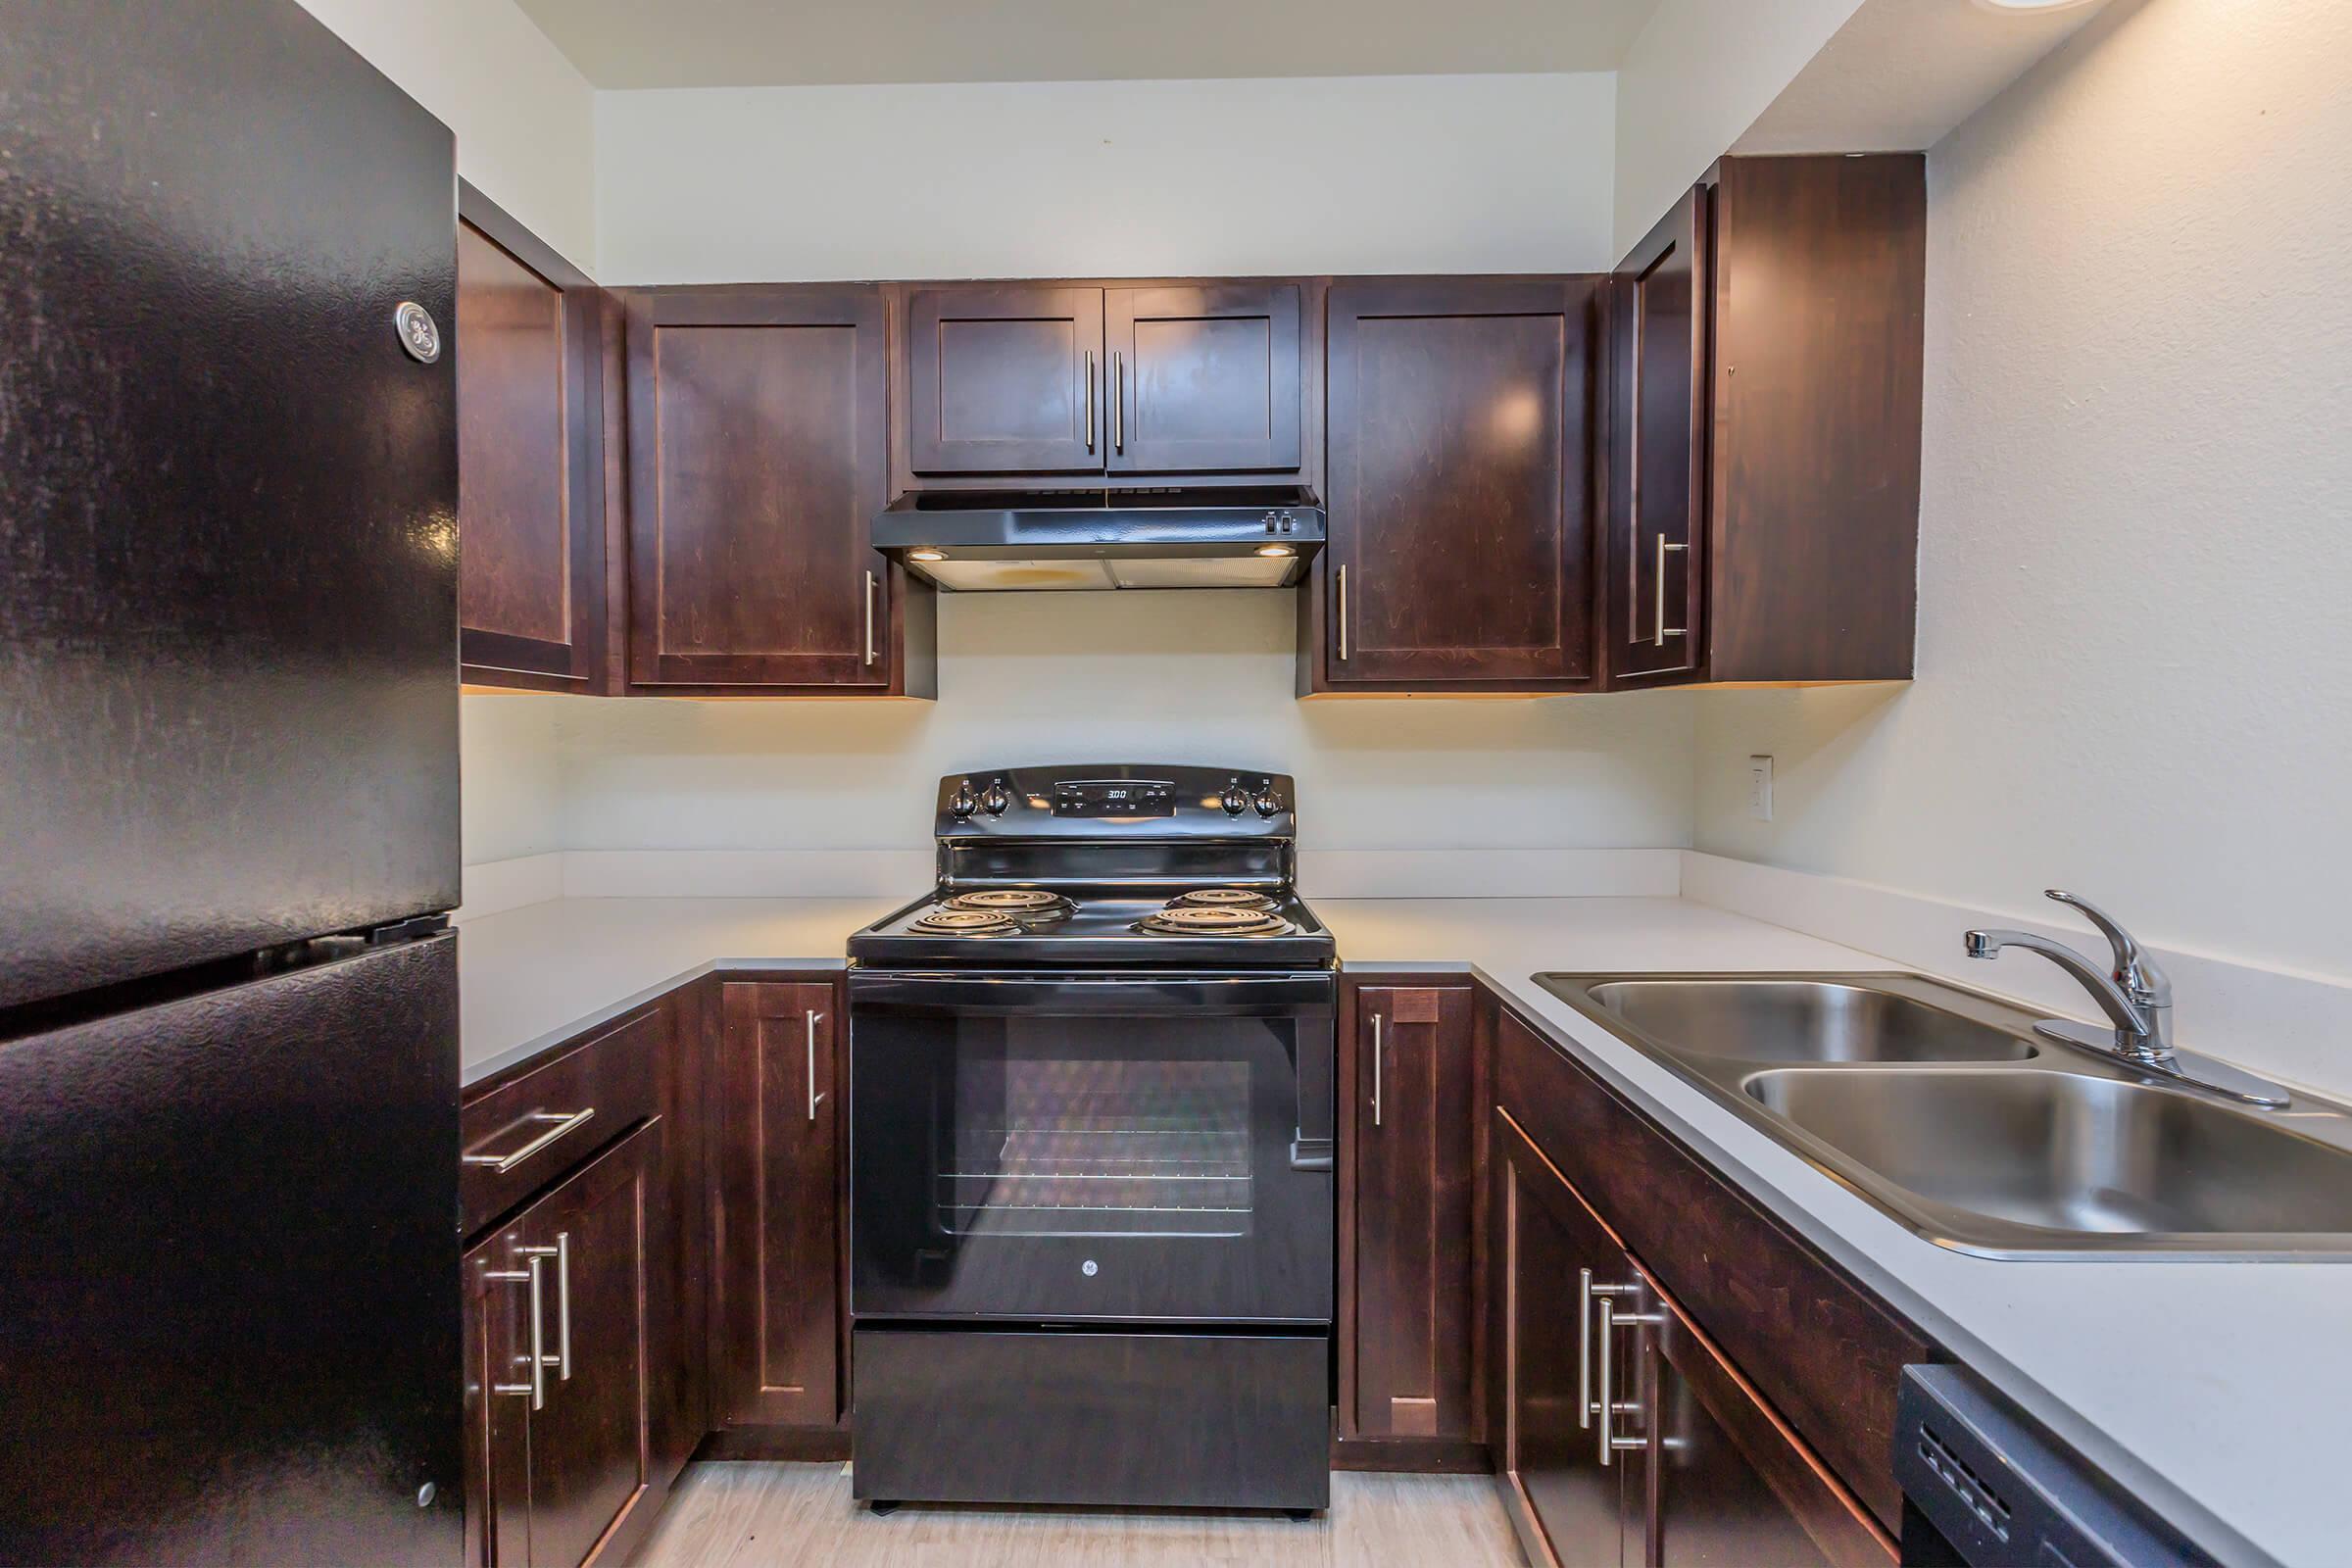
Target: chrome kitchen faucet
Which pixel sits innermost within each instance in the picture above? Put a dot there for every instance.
(2136, 996)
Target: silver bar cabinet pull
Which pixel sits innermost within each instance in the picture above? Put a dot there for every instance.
(563, 1305)
(1089, 400)
(1119, 404)
(871, 654)
(1609, 1408)
(1587, 1293)
(1376, 1056)
(1342, 587)
(560, 1122)
(534, 1390)
(1665, 631)
(814, 1018)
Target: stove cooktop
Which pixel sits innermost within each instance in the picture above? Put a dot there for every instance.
(1183, 928)
(1109, 864)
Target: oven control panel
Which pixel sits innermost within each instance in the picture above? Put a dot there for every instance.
(1106, 797)
(1103, 802)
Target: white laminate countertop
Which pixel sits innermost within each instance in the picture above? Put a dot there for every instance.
(2220, 1392)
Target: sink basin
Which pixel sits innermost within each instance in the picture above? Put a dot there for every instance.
(1933, 1104)
(1801, 1022)
(2065, 1152)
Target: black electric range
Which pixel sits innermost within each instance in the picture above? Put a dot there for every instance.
(1091, 1166)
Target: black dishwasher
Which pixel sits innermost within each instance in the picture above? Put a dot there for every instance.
(1984, 1488)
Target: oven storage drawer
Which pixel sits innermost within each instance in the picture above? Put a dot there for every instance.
(1041, 1416)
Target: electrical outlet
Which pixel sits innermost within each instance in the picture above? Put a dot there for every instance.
(1759, 788)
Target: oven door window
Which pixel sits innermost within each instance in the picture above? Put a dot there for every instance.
(1041, 1166)
(1094, 1147)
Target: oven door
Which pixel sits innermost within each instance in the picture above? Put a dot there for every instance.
(1073, 1148)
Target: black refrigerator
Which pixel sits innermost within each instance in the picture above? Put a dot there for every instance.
(228, 794)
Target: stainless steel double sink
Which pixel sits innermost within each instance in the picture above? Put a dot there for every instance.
(1942, 1108)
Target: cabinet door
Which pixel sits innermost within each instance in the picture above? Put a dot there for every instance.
(564, 1448)
(1658, 429)
(1005, 379)
(1721, 1481)
(1203, 378)
(1414, 1172)
(775, 1226)
(530, 459)
(1563, 1501)
(757, 455)
(1459, 500)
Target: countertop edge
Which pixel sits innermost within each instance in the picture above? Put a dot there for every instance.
(474, 1074)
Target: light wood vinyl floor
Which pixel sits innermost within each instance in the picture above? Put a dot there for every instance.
(737, 1514)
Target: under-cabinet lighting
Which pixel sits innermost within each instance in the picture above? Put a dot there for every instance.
(926, 555)
(1276, 550)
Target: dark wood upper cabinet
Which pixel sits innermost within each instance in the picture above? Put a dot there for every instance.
(1765, 406)
(1459, 482)
(757, 456)
(1203, 377)
(530, 459)
(1657, 457)
(1005, 379)
(566, 1469)
(1411, 1330)
(775, 1258)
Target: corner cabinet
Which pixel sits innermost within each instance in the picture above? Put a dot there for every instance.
(1766, 345)
(532, 518)
(776, 1261)
(1080, 381)
(758, 434)
(1459, 487)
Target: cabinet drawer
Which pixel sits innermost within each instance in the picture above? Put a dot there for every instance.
(527, 1131)
(1826, 1355)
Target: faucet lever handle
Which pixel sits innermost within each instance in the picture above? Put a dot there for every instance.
(2133, 968)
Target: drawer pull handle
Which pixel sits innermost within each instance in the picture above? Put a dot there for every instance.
(559, 1123)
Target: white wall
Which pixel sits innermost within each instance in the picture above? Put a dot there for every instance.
(2135, 604)
(1696, 77)
(1029, 179)
(525, 118)
(1173, 677)
(1471, 175)
(512, 774)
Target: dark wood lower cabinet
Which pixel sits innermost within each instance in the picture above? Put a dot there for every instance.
(1626, 1438)
(1408, 1349)
(775, 1207)
(558, 1388)
(1565, 1504)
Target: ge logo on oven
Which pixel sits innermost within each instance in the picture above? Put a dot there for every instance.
(1088, 1268)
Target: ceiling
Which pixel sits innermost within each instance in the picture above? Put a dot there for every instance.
(741, 43)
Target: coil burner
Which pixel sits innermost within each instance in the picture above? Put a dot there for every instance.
(1212, 920)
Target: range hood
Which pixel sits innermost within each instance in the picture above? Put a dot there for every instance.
(1002, 541)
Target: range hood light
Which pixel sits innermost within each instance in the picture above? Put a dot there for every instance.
(926, 555)
(1276, 550)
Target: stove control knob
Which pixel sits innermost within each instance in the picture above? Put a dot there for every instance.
(963, 803)
(1235, 800)
(1266, 802)
(997, 799)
